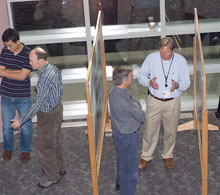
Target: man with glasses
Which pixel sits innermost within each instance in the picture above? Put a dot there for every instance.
(15, 92)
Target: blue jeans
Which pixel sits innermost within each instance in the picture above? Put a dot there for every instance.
(9, 105)
(127, 161)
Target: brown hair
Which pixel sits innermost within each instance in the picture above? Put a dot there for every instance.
(40, 53)
(167, 41)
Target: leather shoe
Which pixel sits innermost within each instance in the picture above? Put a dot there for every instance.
(62, 173)
(217, 114)
(7, 155)
(169, 163)
(25, 157)
(143, 164)
(117, 186)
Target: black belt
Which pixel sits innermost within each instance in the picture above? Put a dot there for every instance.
(163, 100)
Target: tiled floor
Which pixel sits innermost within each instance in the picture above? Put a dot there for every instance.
(21, 179)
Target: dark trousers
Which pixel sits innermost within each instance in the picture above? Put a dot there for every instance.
(50, 142)
(218, 110)
(127, 161)
(217, 114)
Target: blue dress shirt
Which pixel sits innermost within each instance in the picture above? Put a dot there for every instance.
(174, 69)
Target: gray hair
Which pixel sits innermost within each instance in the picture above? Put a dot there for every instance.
(120, 74)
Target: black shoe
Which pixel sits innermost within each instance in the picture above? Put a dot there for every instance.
(117, 186)
(62, 173)
(217, 114)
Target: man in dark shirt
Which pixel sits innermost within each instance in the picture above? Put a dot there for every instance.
(126, 115)
(48, 106)
(15, 92)
(217, 114)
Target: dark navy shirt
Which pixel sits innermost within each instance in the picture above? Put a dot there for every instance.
(125, 116)
(11, 87)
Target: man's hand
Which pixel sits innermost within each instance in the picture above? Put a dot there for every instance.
(175, 85)
(135, 104)
(15, 124)
(1, 72)
(2, 67)
(153, 83)
(18, 75)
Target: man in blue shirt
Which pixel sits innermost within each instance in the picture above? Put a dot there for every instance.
(126, 115)
(15, 92)
(166, 76)
(49, 109)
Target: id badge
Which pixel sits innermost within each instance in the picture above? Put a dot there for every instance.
(166, 93)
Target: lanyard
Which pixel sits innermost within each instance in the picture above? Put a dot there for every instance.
(166, 76)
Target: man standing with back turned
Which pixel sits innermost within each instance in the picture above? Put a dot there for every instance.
(15, 92)
(166, 75)
(47, 104)
(126, 115)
